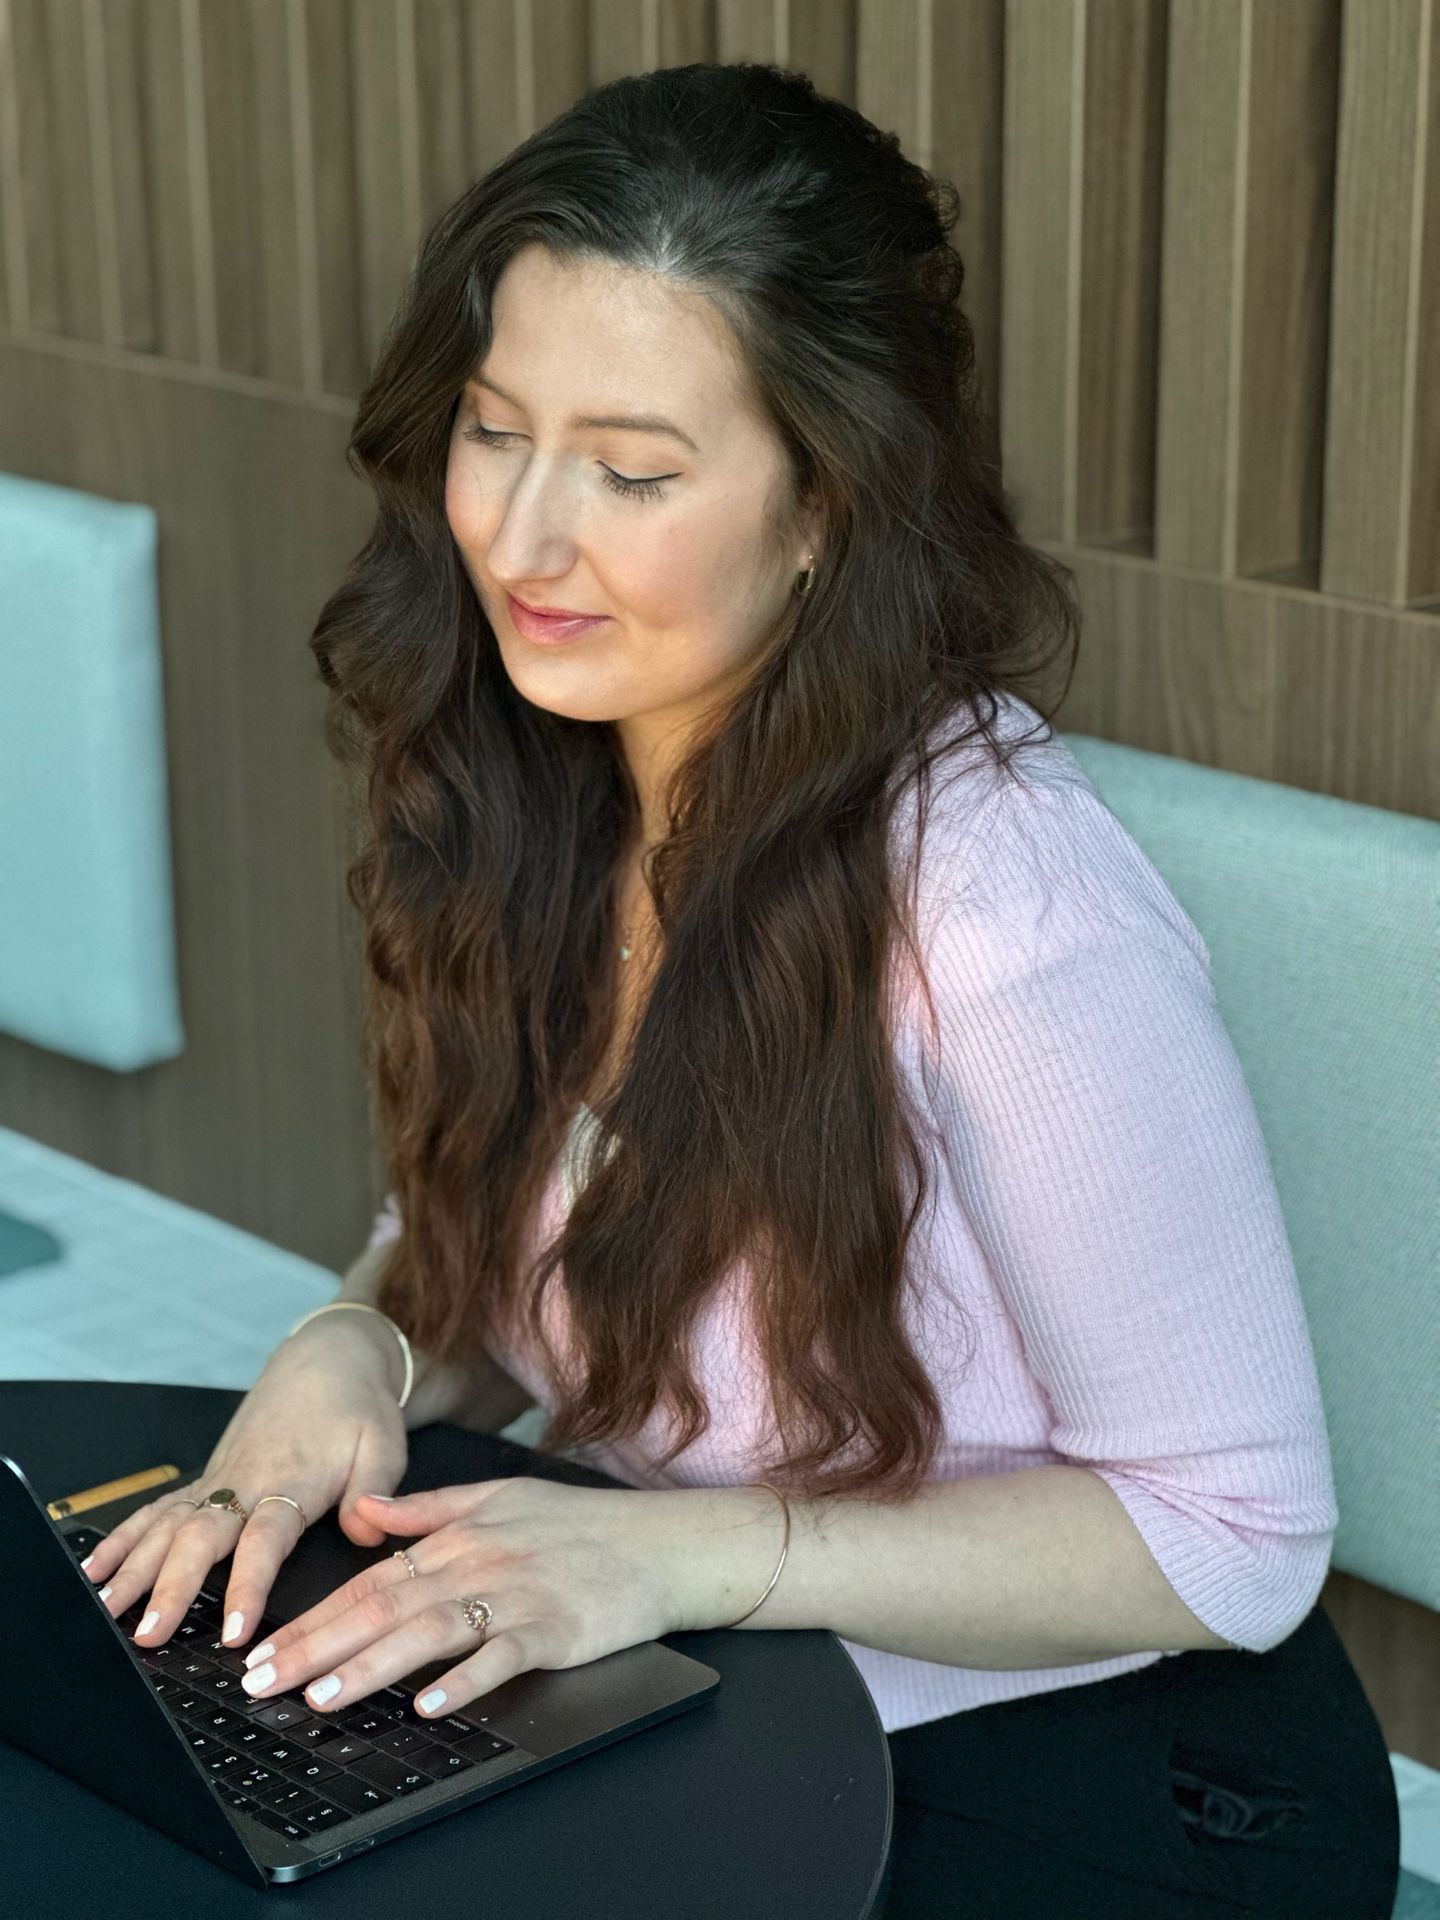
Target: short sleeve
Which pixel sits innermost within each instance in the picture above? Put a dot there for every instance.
(387, 1224)
(1101, 1140)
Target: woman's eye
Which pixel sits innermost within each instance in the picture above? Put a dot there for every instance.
(617, 482)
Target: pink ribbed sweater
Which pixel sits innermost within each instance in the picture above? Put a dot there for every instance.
(1103, 1226)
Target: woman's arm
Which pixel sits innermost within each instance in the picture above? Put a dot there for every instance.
(482, 1397)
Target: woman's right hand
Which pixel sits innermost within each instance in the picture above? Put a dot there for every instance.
(321, 1424)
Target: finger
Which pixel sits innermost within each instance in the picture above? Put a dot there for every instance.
(378, 1464)
(499, 1659)
(133, 1576)
(335, 1606)
(417, 1513)
(207, 1536)
(384, 1637)
(266, 1538)
(121, 1540)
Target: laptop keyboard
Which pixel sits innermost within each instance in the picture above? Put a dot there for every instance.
(297, 1772)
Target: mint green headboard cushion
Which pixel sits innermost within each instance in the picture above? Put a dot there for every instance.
(1323, 922)
(87, 931)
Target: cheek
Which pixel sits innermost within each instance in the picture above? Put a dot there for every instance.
(465, 506)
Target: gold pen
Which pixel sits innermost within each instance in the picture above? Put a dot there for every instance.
(111, 1490)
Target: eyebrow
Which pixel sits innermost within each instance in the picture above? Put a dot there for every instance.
(623, 422)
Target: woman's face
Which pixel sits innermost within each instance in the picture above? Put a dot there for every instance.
(684, 570)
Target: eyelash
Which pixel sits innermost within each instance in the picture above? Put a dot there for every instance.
(617, 482)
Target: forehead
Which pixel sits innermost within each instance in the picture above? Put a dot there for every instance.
(598, 345)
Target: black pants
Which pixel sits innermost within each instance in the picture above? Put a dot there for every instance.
(1206, 1785)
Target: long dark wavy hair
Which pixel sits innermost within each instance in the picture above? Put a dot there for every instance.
(759, 1114)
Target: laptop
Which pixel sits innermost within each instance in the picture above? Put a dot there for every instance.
(269, 1789)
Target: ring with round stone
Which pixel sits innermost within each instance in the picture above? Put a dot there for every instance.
(227, 1500)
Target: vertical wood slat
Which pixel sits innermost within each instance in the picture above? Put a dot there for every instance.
(328, 163)
(37, 196)
(624, 38)
(1383, 447)
(14, 295)
(492, 122)
(119, 28)
(1198, 425)
(967, 68)
(1285, 321)
(1040, 263)
(235, 243)
(170, 185)
(385, 159)
(1122, 157)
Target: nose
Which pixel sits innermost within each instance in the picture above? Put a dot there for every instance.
(535, 540)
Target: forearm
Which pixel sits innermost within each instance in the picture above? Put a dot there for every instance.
(1038, 1568)
(481, 1397)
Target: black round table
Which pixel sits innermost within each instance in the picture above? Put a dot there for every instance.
(771, 1798)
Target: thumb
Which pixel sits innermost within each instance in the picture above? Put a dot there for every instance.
(379, 1462)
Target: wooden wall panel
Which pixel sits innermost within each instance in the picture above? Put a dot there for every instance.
(1202, 250)
(1383, 442)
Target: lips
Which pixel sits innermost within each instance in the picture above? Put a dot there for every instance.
(554, 613)
(549, 630)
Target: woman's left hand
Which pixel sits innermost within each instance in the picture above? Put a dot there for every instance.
(570, 1573)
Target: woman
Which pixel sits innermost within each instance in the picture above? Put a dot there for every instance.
(896, 1161)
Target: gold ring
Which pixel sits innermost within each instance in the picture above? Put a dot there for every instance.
(477, 1613)
(401, 1554)
(227, 1499)
(288, 1501)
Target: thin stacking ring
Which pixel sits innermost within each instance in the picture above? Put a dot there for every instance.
(186, 1500)
(401, 1554)
(288, 1501)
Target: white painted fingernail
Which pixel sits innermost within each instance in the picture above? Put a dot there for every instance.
(148, 1622)
(259, 1653)
(433, 1701)
(88, 1558)
(258, 1678)
(234, 1626)
(105, 1592)
(322, 1690)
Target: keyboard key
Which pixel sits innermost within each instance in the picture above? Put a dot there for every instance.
(224, 1762)
(184, 1663)
(359, 1795)
(247, 1735)
(202, 1743)
(346, 1748)
(430, 1757)
(450, 1727)
(281, 1714)
(316, 1774)
(253, 1778)
(226, 1658)
(326, 1815)
(366, 1719)
(484, 1746)
(286, 1797)
(279, 1753)
(404, 1740)
(384, 1770)
(219, 1719)
(441, 1763)
(315, 1733)
(83, 1541)
(166, 1689)
(220, 1686)
(278, 1823)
